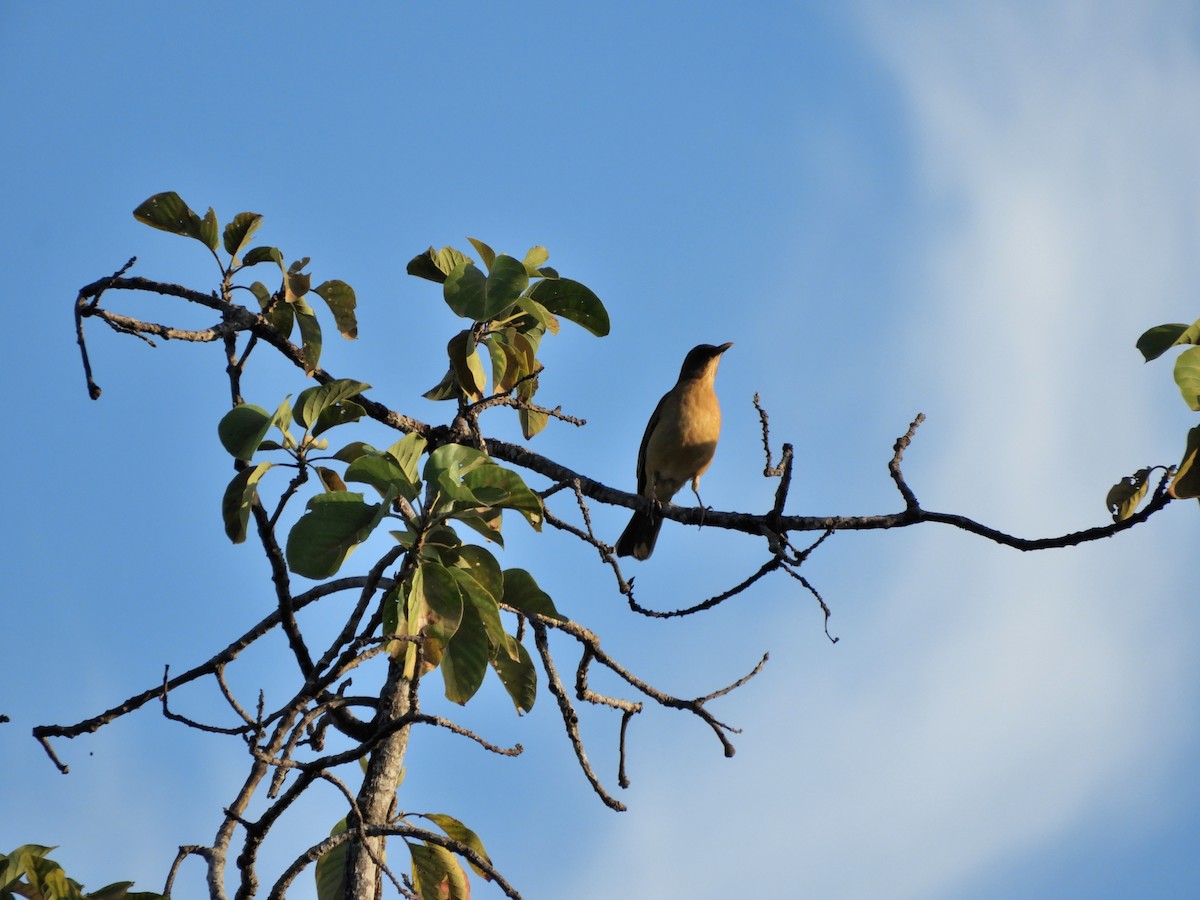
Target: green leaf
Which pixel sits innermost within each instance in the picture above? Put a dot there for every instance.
(296, 285)
(465, 659)
(486, 253)
(340, 413)
(454, 460)
(435, 604)
(315, 400)
(464, 291)
(333, 525)
(446, 389)
(1187, 376)
(353, 451)
(534, 260)
(1159, 339)
(1186, 482)
(521, 592)
(209, 229)
(482, 568)
(330, 871)
(242, 429)
(279, 313)
(536, 317)
(238, 498)
(486, 524)
(263, 254)
(238, 232)
(518, 677)
(503, 488)
(407, 453)
(424, 265)
(16, 864)
(485, 608)
(330, 479)
(341, 300)
(464, 835)
(310, 336)
(468, 368)
(168, 212)
(1125, 496)
(436, 874)
(573, 301)
(384, 474)
(506, 280)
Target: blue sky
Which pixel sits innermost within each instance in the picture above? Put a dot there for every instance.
(966, 210)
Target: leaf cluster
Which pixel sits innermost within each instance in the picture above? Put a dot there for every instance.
(450, 592)
(1153, 343)
(286, 308)
(27, 872)
(511, 305)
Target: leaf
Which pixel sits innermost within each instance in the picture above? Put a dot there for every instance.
(536, 317)
(534, 260)
(506, 280)
(519, 678)
(424, 265)
(1159, 339)
(468, 368)
(436, 874)
(464, 835)
(446, 389)
(1125, 496)
(1186, 482)
(242, 429)
(238, 498)
(485, 608)
(486, 253)
(340, 413)
(353, 451)
(330, 871)
(464, 291)
(315, 400)
(482, 568)
(330, 479)
(208, 229)
(384, 474)
(296, 285)
(434, 608)
(532, 421)
(504, 488)
(1187, 376)
(407, 453)
(310, 336)
(521, 592)
(341, 300)
(239, 231)
(168, 212)
(333, 525)
(573, 301)
(263, 254)
(465, 659)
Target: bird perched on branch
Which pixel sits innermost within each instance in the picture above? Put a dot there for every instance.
(677, 447)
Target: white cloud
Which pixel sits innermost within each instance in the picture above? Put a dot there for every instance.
(992, 702)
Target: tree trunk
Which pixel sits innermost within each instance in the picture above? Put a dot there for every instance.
(377, 798)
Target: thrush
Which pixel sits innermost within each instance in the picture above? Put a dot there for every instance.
(678, 446)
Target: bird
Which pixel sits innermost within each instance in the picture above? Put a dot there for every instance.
(678, 446)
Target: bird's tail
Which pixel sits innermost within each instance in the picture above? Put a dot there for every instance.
(637, 540)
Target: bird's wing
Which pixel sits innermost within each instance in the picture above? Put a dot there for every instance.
(642, 475)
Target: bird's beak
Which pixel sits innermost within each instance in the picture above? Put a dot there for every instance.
(724, 347)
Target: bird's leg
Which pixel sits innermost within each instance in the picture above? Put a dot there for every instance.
(703, 508)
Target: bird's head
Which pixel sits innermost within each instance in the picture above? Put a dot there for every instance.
(702, 361)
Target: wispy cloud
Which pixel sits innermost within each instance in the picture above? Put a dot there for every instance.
(991, 703)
